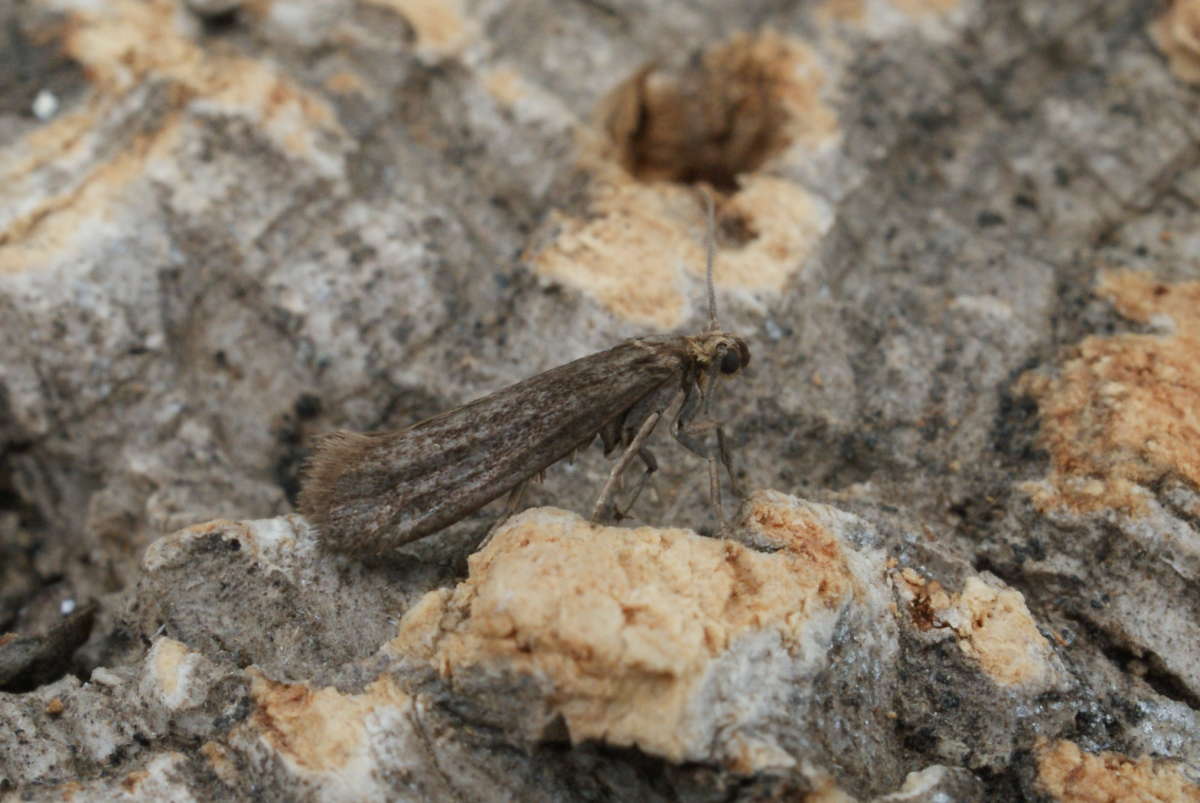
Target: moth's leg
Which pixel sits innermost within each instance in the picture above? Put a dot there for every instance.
(722, 444)
(688, 436)
(714, 491)
(706, 392)
(727, 459)
(605, 498)
(651, 467)
(687, 433)
(610, 434)
(710, 386)
(635, 446)
(681, 426)
(515, 497)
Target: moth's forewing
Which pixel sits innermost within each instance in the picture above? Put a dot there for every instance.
(371, 492)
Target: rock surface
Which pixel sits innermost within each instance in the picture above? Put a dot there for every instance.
(957, 235)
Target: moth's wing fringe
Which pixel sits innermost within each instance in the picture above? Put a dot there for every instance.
(335, 453)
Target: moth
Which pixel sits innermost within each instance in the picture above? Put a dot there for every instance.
(369, 492)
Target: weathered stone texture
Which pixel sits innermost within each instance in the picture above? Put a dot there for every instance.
(959, 236)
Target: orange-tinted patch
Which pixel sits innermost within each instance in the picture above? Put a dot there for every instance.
(1123, 412)
(820, 554)
(626, 254)
(1072, 776)
(842, 10)
(857, 12)
(344, 82)
(505, 84)
(440, 25)
(319, 729)
(220, 759)
(626, 623)
(131, 781)
(1177, 33)
(917, 7)
(993, 626)
(32, 238)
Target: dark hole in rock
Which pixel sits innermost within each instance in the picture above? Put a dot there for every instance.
(220, 23)
(717, 118)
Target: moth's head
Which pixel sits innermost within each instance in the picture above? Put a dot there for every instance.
(729, 353)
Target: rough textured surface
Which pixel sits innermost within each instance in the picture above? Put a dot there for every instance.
(992, 626)
(957, 234)
(1071, 775)
(643, 638)
(1118, 416)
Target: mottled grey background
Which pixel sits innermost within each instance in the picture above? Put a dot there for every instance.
(221, 246)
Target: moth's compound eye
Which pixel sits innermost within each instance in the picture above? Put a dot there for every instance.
(735, 357)
(744, 351)
(731, 361)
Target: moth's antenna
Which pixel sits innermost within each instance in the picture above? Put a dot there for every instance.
(710, 246)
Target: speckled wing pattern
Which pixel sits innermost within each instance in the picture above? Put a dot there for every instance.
(375, 490)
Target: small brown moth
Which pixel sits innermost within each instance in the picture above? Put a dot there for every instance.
(370, 492)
